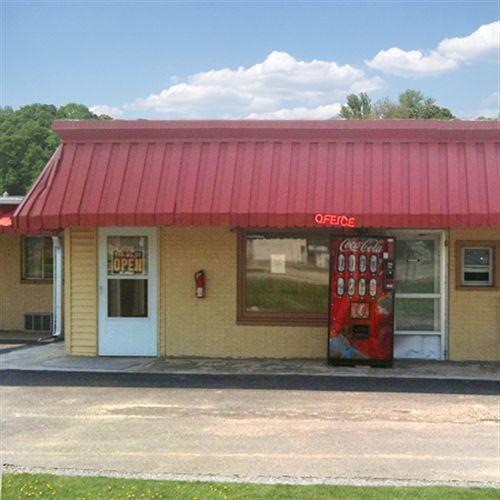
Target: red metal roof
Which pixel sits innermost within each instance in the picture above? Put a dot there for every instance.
(268, 174)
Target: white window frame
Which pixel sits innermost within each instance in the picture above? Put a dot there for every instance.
(464, 267)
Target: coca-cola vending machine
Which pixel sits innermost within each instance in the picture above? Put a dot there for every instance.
(361, 327)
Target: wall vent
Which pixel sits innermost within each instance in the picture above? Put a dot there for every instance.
(38, 322)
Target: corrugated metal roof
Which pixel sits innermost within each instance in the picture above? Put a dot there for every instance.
(268, 174)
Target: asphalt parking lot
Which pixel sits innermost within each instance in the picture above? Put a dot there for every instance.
(299, 427)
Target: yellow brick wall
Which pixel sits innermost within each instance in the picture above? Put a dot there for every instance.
(80, 291)
(16, 298)
(474, 316)
(194, 327)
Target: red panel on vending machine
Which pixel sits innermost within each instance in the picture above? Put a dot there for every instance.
(361, 327)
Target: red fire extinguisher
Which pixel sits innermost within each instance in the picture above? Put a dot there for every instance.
(199, 279)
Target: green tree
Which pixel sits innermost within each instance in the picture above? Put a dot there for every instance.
(388, 110)
(74, 111)
(358, 107)
(27, 141)
(412, 104)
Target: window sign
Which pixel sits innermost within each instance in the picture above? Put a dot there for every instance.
(127, 256)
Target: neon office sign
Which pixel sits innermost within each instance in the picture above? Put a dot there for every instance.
(333, 220)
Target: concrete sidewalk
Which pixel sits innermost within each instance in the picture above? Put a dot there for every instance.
(51, 357)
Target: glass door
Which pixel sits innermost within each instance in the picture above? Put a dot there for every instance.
(419, 310)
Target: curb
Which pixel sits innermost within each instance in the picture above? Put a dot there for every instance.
(278, 382)
(221, 373)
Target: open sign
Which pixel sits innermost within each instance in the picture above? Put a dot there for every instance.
(127, 262)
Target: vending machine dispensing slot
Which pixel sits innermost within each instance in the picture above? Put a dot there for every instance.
(362, 279)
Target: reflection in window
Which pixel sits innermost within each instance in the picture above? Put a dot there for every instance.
(477, 267)
(127, 298)
(37, 258)
(417, 314)
(287, 274)
(417, 266)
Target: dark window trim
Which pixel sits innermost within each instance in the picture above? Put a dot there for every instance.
(244, 317)
(495, 270)
(31, 281)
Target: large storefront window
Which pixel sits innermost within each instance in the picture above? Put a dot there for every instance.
(284, 278)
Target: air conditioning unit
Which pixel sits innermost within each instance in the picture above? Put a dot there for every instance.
(38, 322)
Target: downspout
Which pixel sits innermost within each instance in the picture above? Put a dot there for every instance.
(57, 288)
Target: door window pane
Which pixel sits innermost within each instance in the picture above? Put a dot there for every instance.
(417, 314)
(127, 298)
(127, 256)
(417, 266)
(287, 275)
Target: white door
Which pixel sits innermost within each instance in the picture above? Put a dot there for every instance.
(127, 292)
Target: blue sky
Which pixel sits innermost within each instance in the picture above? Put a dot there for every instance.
(239, 60)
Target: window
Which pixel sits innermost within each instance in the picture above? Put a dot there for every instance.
(477, 266)
(127, 269)
(127, 298)
(283, 278)
(37, 258)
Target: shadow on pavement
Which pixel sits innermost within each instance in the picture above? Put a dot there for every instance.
(252, 382)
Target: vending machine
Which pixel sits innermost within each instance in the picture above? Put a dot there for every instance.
(361, 326)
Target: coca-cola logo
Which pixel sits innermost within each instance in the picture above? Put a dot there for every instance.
(368, 245)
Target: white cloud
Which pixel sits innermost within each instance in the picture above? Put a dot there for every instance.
(300, 113)
(450, 53)
(487, 113)
(104, 109)
(490, 107)
(279, 85)
(482, 44)
(396, 61)
(493, 98)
